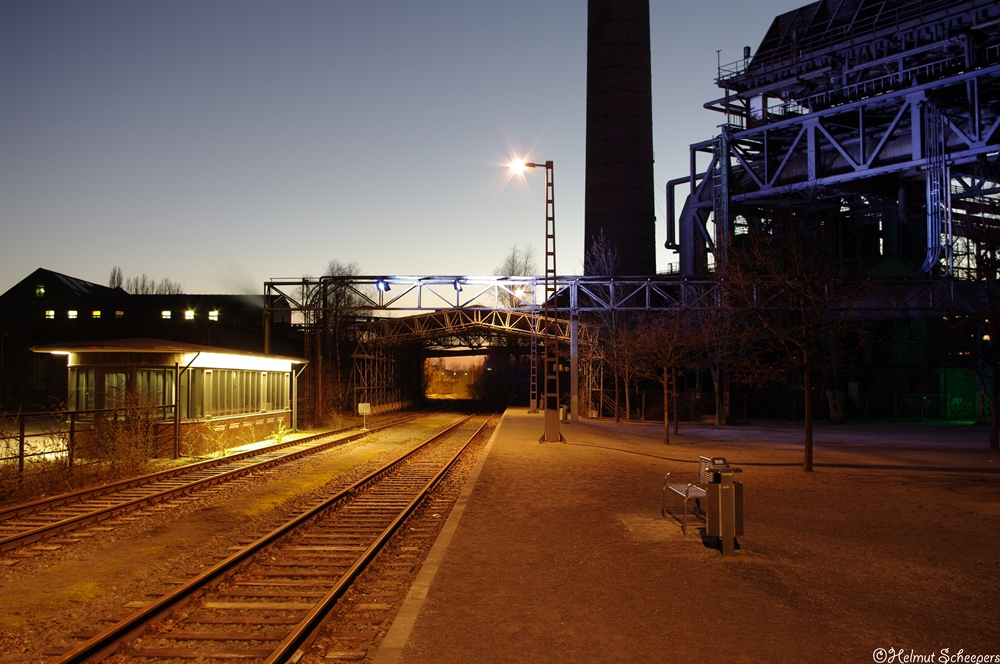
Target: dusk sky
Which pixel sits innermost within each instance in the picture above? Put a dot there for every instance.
(221, 144)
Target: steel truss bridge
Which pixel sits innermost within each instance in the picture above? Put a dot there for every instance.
(390, 311)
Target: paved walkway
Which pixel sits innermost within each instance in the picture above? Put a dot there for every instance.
(559, 552)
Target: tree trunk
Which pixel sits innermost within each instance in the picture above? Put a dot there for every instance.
(994, 415)
(807, 389)
(676, 419)
(336, 352)
(318, 411)
(617, 415)
(666, 407)
(717, 382)
(628, 396)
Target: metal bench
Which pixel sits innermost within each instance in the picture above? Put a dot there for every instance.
(692, 491)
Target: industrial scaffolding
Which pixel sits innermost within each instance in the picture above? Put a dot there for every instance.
(887, 112)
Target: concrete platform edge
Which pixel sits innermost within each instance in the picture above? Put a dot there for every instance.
(391, 648)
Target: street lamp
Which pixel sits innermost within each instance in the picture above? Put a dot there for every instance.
(550, 320)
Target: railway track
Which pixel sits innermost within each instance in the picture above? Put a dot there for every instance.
(41, 519)
(266, 601)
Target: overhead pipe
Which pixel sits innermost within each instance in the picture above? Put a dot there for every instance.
(671, 242)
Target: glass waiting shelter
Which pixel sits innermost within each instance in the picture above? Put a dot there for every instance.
(202, 382)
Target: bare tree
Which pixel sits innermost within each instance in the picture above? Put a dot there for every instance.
(665, 343)
(789, 278)
(519, 262)
(143, 285)
(601, 259)
(116, 279)
(717, 352)
(627, 363)
(338, 302)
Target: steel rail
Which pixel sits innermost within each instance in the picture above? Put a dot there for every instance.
(303, 633)
(73, 496)
(102, 513)
(108, 641)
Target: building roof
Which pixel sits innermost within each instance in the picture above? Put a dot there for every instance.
(143, 345)
(65, 284)
(807, 49)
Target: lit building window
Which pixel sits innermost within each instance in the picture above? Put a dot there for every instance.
(213, 315)
(119, 314)
(71, 314)
(165, 315)
(96, 314)
(49, 313)
(189, 315)
(40, 290)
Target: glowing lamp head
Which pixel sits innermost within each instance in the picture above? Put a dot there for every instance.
(517, 166)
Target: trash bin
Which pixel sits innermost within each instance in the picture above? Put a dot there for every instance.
(724, 513)
(562, 413)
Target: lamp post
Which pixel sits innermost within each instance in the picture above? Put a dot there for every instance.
(550, 320)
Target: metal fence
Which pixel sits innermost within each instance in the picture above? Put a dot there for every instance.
(31, 442)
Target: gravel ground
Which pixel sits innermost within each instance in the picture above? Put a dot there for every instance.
(562, 554)
(51, 595)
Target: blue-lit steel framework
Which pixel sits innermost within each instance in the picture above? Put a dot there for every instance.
(892, 107)
(431, 310)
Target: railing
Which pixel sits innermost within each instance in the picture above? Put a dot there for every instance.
(660, 293)
(873, 87)
(39, 442)
(890, 18)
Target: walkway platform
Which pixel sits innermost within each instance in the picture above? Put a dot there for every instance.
(559, 553)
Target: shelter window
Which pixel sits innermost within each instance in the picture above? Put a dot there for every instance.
(82, 388)
(220, 392)
(114, 390)
(50, 314)
(165, 315)
(95, 314)
(213, 315)
(235, 392)
(119, 314)
(71, 314)
(275, 391)
(188, 315)
(40, 290)
(155, 386)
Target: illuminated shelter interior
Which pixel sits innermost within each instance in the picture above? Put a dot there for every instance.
(200, 382)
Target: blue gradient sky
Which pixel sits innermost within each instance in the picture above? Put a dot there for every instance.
(224, 143)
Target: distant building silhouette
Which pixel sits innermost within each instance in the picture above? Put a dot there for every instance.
(47, 308)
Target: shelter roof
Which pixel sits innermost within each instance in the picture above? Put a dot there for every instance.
(144, 345)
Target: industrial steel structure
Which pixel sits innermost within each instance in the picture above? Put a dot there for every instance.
(888, 110)
(879, 119)
(390, 317)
